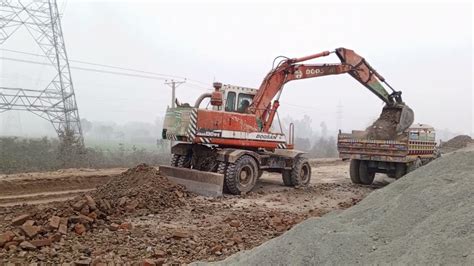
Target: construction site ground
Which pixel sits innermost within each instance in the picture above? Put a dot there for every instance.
(196, 229)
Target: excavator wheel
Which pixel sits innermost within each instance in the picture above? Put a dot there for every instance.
(301, 173)
(221, 168)
(366, 176)
(354, 171)
(174, 160)
(241, 176)
(286, 176)
(183, 162)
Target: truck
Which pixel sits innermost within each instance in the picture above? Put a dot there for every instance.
(226, 145)
(414, 147)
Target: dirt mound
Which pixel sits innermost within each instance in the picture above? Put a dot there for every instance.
(385, 127)
(141, 187)
(424, 218)
(456, 143)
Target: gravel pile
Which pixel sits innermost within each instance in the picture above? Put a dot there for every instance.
(456, 143)
(427, 217)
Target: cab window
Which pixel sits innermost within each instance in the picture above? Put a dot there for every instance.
(244, 102)
(230, 102)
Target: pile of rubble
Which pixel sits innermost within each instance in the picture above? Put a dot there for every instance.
(140, 189)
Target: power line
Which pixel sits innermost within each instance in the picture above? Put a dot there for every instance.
(104, 65)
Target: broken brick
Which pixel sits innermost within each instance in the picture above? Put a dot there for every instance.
(148, 262)
(78, 205)
(79, 229)
(85, 210)
(27, 246)
(29, 222)
(126, 226)
(114, 227)
(80, 219)
(19, 220)
(41, 242)
(10, 243)
(92, 215)
(91, 202)
(54, 222)
(30, 230)
(177, 233)
(6, 237)
(62, 229)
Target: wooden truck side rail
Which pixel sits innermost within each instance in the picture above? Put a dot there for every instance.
(350, 147)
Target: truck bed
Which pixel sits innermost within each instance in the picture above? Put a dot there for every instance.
(353, 146)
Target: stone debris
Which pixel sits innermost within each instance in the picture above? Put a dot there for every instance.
(141, 217)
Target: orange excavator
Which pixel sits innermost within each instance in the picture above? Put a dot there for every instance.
(228, 146)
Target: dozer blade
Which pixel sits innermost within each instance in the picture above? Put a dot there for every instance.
(200, 182)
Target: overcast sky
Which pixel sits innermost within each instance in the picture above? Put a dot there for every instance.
(424, 50)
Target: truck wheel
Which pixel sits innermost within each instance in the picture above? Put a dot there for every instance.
(301, 173)
(414, 165)
(366, 176)
(286, 176)
(354, 171)
(174, 160)
(241, 176)
(400, 170)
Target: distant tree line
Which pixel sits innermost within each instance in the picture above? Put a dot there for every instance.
(46, 154)
(318, 144)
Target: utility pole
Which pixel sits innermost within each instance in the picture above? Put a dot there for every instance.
(173, 84)
(339, 116)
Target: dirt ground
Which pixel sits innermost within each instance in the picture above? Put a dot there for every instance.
(205, 229)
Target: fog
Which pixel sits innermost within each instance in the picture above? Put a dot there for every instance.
(424, 50)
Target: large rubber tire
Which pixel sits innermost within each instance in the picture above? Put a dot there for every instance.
(354, 171)
(241, 176)
(174, 160)
(400, 170)
(183, 162)
(286, 176)
(301, 173)
(366, 176)
(221, 168)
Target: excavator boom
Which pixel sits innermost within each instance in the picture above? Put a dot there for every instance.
(351, 63)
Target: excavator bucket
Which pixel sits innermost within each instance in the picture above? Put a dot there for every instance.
(200, 182)
(407, 116)
(392, 121)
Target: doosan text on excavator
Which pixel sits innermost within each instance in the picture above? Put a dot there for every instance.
(228, 146)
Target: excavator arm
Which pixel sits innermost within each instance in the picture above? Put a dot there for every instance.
(351, 63)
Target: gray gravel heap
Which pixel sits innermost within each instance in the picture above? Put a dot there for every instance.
(427, 217)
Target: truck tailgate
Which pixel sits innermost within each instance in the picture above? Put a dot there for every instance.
(351, 147)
